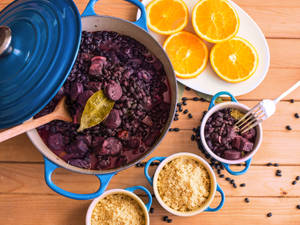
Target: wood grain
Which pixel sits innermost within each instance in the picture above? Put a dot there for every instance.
(49, 210)
(29, 178)
(25, 198)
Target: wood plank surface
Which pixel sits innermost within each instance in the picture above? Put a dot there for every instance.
(26, 199)
(260, 181)
(49, 210)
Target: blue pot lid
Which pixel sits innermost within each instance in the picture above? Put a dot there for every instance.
(45, 39)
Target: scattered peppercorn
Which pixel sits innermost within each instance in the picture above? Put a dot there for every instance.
(232, 181)
(170, 129)
(185, 111)
(190, 116)
(151, 210)
(184, 98)
(228, 179)
(298, 206)
(184, 103)
(297, 177)
(234, 185)
(195, 130)
(169, 220)
(138, 165)
(292, 101)
(165, 218)
(288, 127)
(269, 164)
(218, 171)
(176, 129)
(247, 200)
(294, 182)
(193, 137)
(278, 171)
(196, 99)
(276, 164)
(175, 118)
(221, 175)
(297, 115)
(180, 109)
(178, 104)
(269, 214)
(243, 185)
(188, 88)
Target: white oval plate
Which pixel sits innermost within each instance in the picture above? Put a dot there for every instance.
(208, 82)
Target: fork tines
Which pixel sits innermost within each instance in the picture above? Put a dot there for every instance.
(250, 119)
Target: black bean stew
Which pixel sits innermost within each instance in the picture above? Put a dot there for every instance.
(130, 75)
(222, 138)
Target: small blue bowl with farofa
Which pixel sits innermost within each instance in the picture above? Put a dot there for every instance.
(184, 184)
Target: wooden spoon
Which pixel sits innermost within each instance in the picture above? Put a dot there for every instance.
(59, 113)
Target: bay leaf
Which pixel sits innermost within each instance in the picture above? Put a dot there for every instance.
(95, 111)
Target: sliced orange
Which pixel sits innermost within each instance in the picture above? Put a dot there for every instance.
(215, 20)
(188, 54)
(167, 16)
(234, 60)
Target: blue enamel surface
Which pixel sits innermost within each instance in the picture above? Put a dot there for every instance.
(214, 98)
(146, 170)
(236, 173)
(209, 209)
(46, 36)
(103, 179)
(141, 22)
(134, 188)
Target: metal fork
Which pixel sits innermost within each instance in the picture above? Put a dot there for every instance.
(261, 111)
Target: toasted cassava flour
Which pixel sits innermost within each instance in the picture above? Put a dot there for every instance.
(184, 184)
(118, 209)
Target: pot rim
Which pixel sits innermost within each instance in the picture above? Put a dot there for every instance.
(36, 139)
(203, 163)
(113, 191)
(259, 132)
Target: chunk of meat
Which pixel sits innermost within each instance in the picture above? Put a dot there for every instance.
(232, 155)
(113, 120)
(113, 91)
(111, 146)
(56, 141)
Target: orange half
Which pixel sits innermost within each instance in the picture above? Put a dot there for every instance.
(188, 54)
(167, 16)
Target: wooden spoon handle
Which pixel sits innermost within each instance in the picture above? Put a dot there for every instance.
(26, 126)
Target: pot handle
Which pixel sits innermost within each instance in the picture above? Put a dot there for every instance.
(214, 98)
(49, 169)
(149, 203)
(146, 170)
(209, 209)
(141, 22)
(236, 173)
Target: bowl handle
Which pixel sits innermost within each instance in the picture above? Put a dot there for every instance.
(141, 22)
(214, 98)
(149, 203)
(209, 209)
(236, 173)
(49, 169)
(146, 170)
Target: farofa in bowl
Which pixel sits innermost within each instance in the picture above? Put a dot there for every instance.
(184, 184)
(118, 209)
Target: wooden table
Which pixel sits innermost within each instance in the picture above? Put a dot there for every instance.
(25, 199)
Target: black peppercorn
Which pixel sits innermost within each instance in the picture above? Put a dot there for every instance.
(221, 175)
(297, 115)
(297, 177)
(165, 218)
(188, 88)
(288, 127)
(184, 98)
(190, 116)
(298, 206)
(292, 101)
(294, 182)
(269, 164)
(276, 164)
(184, 103)
(169, 220)
(185, 111)
(193, 137)
(269, 214)
(151, 210)
(243, 185)
(176, 129)
(247, 200)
